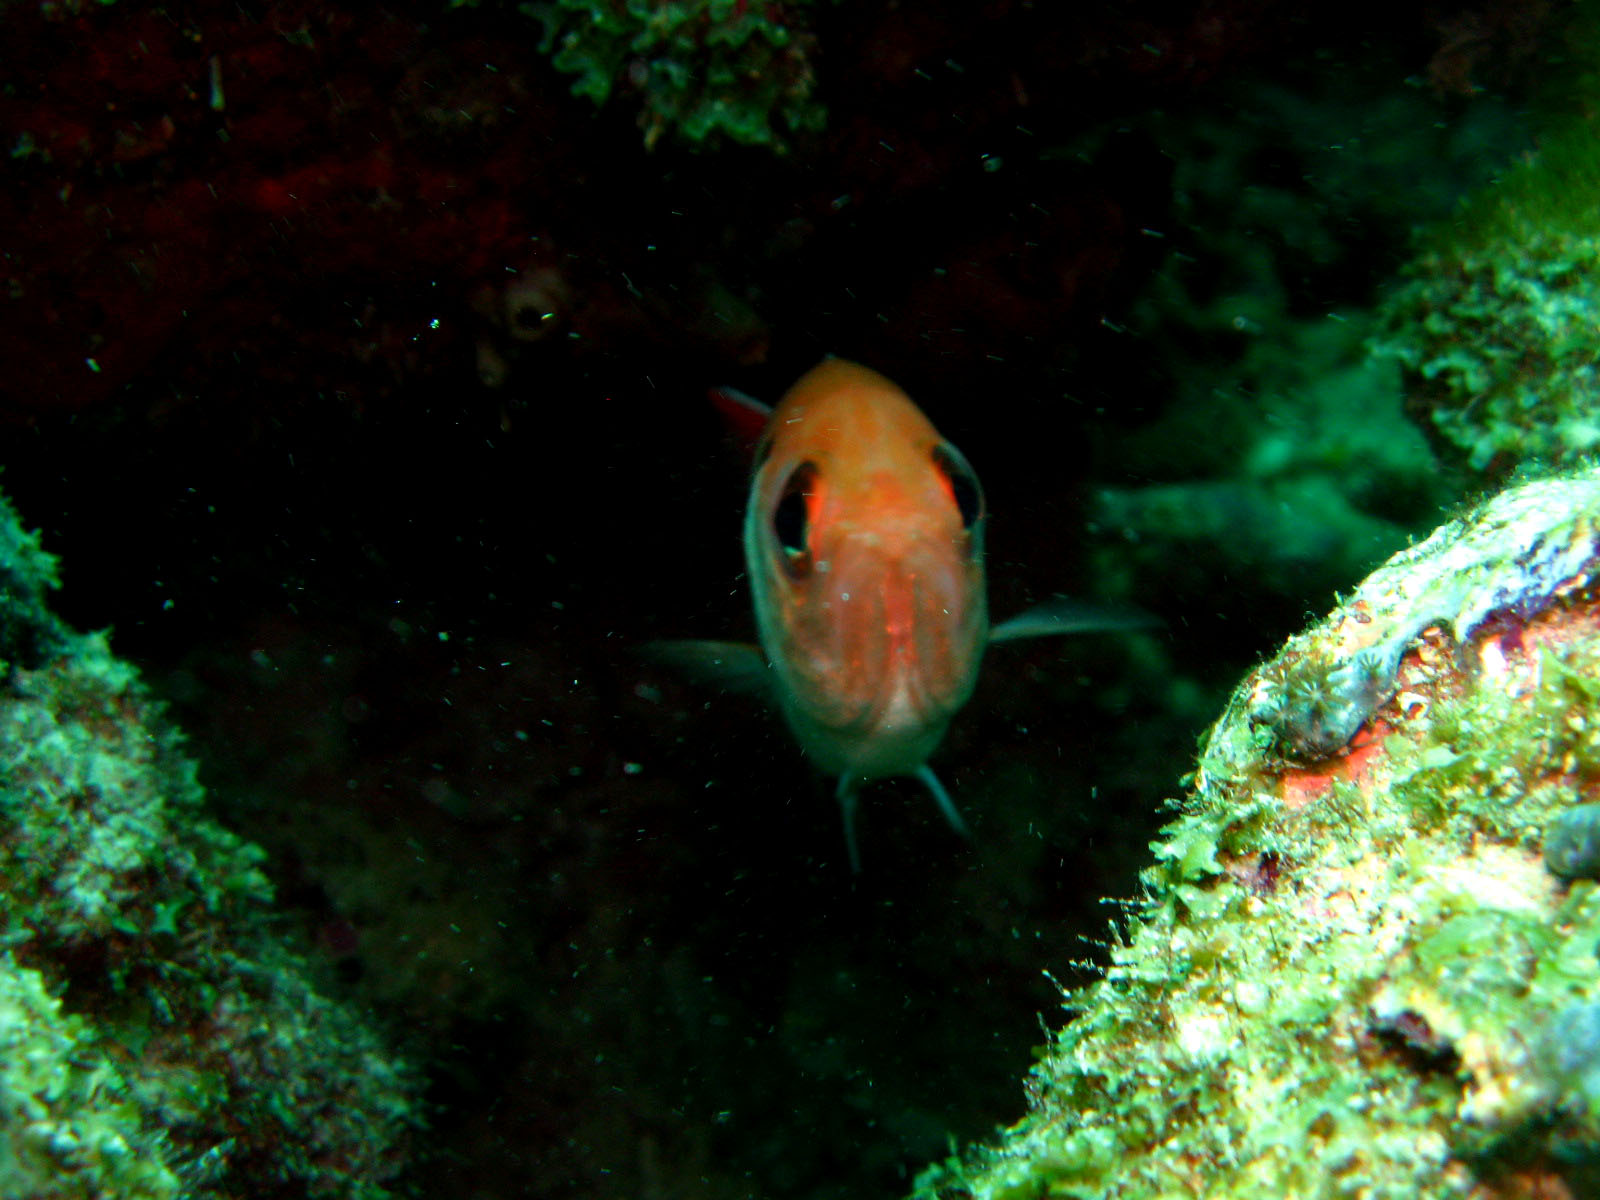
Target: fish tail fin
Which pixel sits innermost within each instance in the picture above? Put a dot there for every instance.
(849, 791)
(942, 799)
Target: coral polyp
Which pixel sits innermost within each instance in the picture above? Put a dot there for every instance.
(1314, 707)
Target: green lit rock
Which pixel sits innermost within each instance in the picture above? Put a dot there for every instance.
(1494, 323)
(1352, 972)
(1572, 843)
(1497, 346)
(704, 71)
(69, 1125)
(156, 1037)
(28, 630)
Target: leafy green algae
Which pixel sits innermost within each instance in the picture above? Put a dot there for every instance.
(1493, 324)
(66, 1112)
(1352, 973)
(156, 1038)
(28, 630)
(705, 71)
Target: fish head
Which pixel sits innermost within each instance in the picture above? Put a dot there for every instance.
(864, 547)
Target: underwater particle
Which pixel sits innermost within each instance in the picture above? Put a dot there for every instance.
(1572, 843)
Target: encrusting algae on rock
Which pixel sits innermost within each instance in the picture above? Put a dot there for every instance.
(157, 1040)
(1366, 960)
(1493, 322)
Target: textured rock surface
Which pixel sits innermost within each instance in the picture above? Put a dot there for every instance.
(1352, 971)
(157, 1038)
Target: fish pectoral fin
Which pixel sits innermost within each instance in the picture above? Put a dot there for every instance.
(736, 667)
(942, 798)
(1061, 616)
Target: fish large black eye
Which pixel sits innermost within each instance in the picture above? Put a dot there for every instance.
(963, 483)
(791, 519)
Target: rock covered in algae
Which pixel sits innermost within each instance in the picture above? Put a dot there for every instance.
(705, 70)
(1353, 973)
(156, 1039)
(1493, 325)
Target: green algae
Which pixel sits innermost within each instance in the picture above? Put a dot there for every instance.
(1353, 974)
(29, 631)
(156, 1038)
(1493, 321)
(701, 72)
(69, 1124)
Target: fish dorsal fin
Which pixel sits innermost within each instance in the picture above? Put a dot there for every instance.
(735, 667)
(1062, 616)
(746, 416)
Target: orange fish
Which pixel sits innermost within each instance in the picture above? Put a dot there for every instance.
(863, 540)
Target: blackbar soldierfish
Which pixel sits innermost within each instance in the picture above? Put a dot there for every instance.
(863, 540)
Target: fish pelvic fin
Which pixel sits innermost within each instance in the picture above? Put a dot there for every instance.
(849, 796)
(942, 799)
(849, 792)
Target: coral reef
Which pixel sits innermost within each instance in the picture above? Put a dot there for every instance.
(1493, 323)
(254, 253)
(705, 70)
(29, 631)
(1353, 971)
(1496, 344)
(1283, 463)
(67, 1121)
(157, 1040)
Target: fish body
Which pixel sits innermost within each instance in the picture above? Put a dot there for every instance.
(863, 543)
